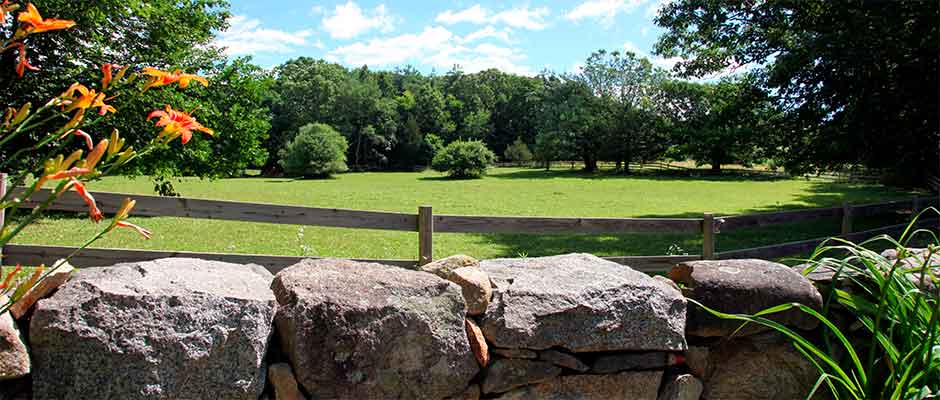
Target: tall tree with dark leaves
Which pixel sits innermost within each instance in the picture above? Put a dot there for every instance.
(859, 79)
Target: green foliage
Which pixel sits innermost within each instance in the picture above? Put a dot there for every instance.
(897, 353)
(858, 78)
(728, 122)
(464, 159)
(518, 152)
(317, 150)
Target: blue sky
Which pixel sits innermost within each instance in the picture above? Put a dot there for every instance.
(522, 37)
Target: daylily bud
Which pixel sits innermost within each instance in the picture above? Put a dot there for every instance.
(92, 160)
(116, 143)
(21, 114)
(124, 156)
(71, 159)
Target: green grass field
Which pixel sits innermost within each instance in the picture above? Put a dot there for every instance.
(507, 191)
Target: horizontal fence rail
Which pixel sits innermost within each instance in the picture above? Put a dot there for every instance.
(426, 223)
(157, 206)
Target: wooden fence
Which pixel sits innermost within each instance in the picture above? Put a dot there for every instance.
(426, 223)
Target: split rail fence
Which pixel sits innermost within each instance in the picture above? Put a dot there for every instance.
(426, 224)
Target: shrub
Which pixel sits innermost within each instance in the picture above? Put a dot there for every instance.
(318, 150)
(464, 159)
(518, 152)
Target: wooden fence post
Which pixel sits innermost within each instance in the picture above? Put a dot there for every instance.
(846, 218)
(425, 235)
(708, 237)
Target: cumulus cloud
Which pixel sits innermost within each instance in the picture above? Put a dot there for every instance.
(245, 36)
(662, 62)
(521, 17)
(348, 21)
(488, 32)
(434, 46)
(603, 10)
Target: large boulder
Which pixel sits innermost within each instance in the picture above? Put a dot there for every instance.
(581, 303)
(628, 385)
(445, 266)
(170, 328)
(363, 330)
(14, 358)
(764, 366)
(743, 287)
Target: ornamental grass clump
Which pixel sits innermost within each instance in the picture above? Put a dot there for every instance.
(886, 344)
(73, 115)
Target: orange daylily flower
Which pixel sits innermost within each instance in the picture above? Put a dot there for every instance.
(68, 173)
(85, 98)
(35, 23)
(121, 216)
(177, 123)
(162, 78)
(86, 136)
(9, 279)
(93, 211)
(106, 70)
(23, 63)
(7, 7)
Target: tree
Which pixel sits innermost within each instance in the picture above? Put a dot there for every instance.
(570, 116)
(317, 150)
(721, 123)
(858, 79)
(464, 159)
(624, 85)
(518, 152)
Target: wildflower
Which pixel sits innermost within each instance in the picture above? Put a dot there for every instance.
(177, 123)
(7, 7)
(88, 141)
(92, 160)
(23, 64)
(162, 78)
(34, 22)
(69, 173)
(93, 211)
(79, 97)
(10, 276)
(116, 143)
(121, 216)
(106, 75)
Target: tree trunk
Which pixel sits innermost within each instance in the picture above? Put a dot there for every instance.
(716, 166)
(619, 165)
(590, 164)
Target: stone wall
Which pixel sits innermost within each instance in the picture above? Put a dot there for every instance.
(564, 327)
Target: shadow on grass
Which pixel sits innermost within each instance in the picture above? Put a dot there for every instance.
(682, 175)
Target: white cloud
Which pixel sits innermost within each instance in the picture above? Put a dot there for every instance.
(603, 10)
(316, 10)
(349, 21)
(245, 36)
(655, 6)
(434, 46)
(476, 15)
(522, 17)
(488, 32)
(645, 31)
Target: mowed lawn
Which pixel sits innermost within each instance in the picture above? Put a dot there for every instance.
(507, 191)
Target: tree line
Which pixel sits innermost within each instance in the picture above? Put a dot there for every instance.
(822, 85)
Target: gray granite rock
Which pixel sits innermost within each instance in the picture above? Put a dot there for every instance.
(743, 287)
(681, 387)
(509, 373)
(564, 360)
(627, 385)
(758, 367)
(14, 357)
(581, 303)
(170, 328)
(362, 330)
